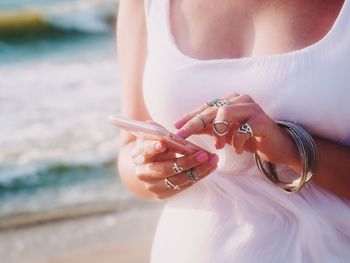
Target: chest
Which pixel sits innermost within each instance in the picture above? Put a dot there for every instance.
(207, 29)
(309, 86)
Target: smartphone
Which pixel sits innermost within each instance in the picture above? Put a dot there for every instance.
(150, 131)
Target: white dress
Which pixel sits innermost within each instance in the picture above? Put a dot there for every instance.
(235, 215)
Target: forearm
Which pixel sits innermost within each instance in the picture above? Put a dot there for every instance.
(127, 169)
(333, 168)
(333, 172)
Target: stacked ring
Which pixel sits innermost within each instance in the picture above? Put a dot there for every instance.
(192, 175)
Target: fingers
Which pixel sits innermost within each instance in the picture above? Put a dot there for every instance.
(244, 137)
(184, 119)
(225, 118)
(238, 115)
(180, 181)
(166, 155)
(228, 118)
(195, 124)
(239, 140)
(220, 141)
(145, 150)
(163, 169)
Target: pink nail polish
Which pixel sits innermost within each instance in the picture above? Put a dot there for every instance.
(178, 124)
(217, 146)
(180, 133)
(214, 160)
(201, 157)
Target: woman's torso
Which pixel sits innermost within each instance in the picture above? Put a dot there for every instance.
(234, 215)
(207, 29)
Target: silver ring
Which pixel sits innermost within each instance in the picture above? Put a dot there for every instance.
(192, 175)
(213, 102)
(222, 102)
(176, 168)
(170, 185)
(205, 123)
(246, 128)
(217, 131)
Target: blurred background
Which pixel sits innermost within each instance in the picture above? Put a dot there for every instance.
(60, 197)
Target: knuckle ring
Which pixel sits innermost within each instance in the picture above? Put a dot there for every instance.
(192, 175)
(176, 168)
(246, 129)
(216, 130)
(205, 123)
(170, 185)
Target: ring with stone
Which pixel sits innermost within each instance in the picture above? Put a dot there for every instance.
(246, 129)
(222, 102)
(213, 102)
(170, 185)
(216, 130)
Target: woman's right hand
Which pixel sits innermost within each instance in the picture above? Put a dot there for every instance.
(154, 162)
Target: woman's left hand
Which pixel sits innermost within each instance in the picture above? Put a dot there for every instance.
(231, 114)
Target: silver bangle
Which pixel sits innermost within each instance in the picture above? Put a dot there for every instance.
(308, 155)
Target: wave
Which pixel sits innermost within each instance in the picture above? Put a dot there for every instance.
(84, 16)
(59, 191)
(28, 179)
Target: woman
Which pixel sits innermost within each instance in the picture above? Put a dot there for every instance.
(265, 61)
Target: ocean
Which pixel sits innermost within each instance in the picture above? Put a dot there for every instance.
(58, 84)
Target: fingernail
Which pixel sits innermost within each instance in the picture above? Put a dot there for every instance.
(238, 151)
(180, 133)
(178, 124)
(158, 146)
(217, 145)
(213, 159)
(201, 157)
(140, 159)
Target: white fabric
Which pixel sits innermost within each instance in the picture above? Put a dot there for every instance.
(235, 215)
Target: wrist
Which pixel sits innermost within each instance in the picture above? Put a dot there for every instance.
(291, 156)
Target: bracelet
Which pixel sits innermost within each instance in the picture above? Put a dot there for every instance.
(308, 155)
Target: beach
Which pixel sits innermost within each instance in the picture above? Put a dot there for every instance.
(61, 199)
(109, 237)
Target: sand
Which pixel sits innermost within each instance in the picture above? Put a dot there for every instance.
(130, 252)
(124, 237)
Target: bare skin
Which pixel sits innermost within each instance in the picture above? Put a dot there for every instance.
(229, 29)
